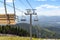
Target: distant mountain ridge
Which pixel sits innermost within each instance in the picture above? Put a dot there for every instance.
(46, 21)
(42, 31)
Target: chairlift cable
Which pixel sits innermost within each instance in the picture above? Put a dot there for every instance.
(12, 7)
(29, 4)
(6, 12)
(14, 10)
(22, 3)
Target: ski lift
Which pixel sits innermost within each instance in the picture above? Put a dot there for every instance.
(23, 18)
(34, 12)
(16, 17)
(36, 18)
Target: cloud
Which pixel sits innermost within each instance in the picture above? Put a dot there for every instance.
(9, 1)
(48, 10)
(10, 11)
(45, 0)
(2, 10)
(41, 0)
(48, 6)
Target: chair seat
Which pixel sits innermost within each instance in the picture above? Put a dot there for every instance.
(23, 19)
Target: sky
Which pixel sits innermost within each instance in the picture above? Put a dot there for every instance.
(43, 7)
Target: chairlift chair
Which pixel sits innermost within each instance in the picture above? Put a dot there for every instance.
(23, 18)
(16, 17)
(36, 18)
(34, 13)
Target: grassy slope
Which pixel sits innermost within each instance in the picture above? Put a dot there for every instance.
(19, 38)
(15, 38)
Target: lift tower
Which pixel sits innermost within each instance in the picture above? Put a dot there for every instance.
(30, 12)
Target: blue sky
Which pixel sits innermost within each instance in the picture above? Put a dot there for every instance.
(44, 7)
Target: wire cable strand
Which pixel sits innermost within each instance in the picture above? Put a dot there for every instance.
(14, 10)
(29, 4)
(6, 12)
(22, 3)
(12, 7)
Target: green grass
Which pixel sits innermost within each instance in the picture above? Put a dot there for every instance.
(15, 38)
(18, 38)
